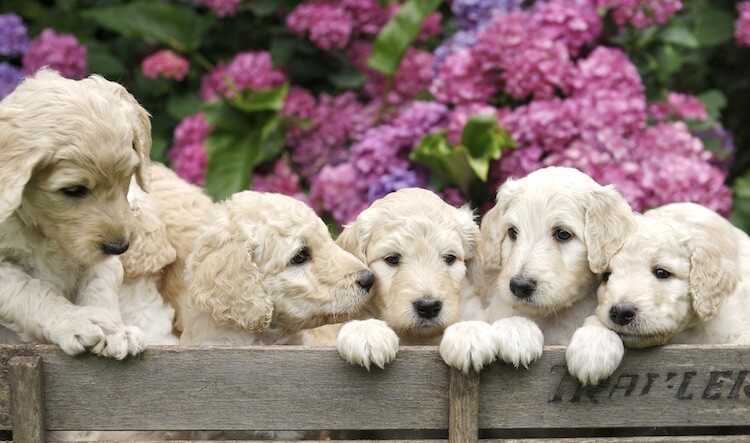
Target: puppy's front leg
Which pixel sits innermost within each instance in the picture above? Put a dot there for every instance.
(362, 342)
(469, 345)
(594, 352)
(99, 287)
(40, 313)
(521, 340)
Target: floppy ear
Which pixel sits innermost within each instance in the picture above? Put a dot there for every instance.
(355, 236)
(223, 278)
(713, 274)
(150, 249)
(469, 230)
(17, 164)
(608, 222)
(492, 231)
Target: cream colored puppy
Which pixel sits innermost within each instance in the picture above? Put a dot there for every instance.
(68, 150)
(264, 268)
(420, 249)
(543, 244)
(677, 279)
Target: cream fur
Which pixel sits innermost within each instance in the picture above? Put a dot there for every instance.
(534, 208)
(424, 231)
(86, 137)
(705, 300)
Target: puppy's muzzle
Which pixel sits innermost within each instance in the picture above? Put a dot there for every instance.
(115, 247)
(622, 313)
(366, 280)
(427, 308)
(522, 287)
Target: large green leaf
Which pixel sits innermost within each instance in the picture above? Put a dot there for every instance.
(679, 35)
(175, 25)
(713, 26)
(445, 160)
(180, 106)
(396, 36)
(484, 139)
(715, 101)
(264, 100)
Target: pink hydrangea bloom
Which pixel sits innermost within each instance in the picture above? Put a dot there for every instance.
(574, 22)
(461, 80)
(61, 52)
(368, 15)
(223, 8)
(742, 25)
(335, 190)
(678, 106)
(299, 103)
(281, 180)
(431, 26)
(165, 63)
(606, 69)
(188, 153)
(329, 24)
(250, 69)
(414, 75)
(641, 13)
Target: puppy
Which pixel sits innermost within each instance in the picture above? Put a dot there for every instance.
(264, 267)
(68, 150)
(420, 250)
(542, 246)
(677, 279)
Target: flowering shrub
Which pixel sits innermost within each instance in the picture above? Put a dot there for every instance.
(340, 102)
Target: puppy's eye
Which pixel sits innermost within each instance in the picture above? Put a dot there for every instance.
(562, 235)
(661, 274)
(393, 259)
(302, 256)
(75, 191)
(605, 276)
(512, 233)
(449, 259)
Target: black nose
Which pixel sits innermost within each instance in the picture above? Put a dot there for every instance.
(622, 313)
(116, 247)
(522, 287)
(428, 308)
(366, 280)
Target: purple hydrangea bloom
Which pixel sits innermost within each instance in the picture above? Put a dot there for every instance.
(471, 13)
(10, 77)
(61, 52)
(393, 182)
(460, 40)
(13, 38)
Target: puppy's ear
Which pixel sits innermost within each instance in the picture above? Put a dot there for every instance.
(150, 249)
(608, 222)
(492, 231)
(17, 164)
(223, 278)
(469, 231)
(355, 236)
(713, 274)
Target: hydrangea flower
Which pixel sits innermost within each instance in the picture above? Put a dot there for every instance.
(10, 77)
(335, 190)
(393, 182)
(250, 69)
(165, 63)
(13, 38)
(61, 52)
(742, 25)
(281, 179)
(678, 106)
(460, 80)
(188, 152)
(573, 22)
(641, 13)
(223, 8)
(328, 25)
(472, 13)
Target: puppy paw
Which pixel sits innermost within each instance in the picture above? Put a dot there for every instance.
(521, 340)
(593, 354)
(469, 345)
(362, 342)
(81, 328)
(128, 340)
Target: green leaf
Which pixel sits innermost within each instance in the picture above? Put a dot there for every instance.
(450, 162)
(396, 36)
(104, 63)
(715, 101)
(679, 35)
(180, 106)
(264, 100)
(347, 78)
(741, 203)
(175, 25)
(282, 50)
(713, 26)
(484, 138)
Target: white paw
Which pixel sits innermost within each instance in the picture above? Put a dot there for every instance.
(127, 340)
(79, 329)
(469, 345)
(521, 340)
(593, 354)
(362, 342)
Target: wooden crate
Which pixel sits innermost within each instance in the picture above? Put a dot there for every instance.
(666, 393)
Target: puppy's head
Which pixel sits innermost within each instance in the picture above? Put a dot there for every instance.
(419, 248)
(547, 237)
(268, 258)
(670, 274)
(67, 152)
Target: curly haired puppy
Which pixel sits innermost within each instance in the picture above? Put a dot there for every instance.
(420, 249)
(542, 246)
(677, 279)
(68, 150)
(264, 267)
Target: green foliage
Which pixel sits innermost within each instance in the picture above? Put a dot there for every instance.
(396, 36)
(482, 141)
(247, 131)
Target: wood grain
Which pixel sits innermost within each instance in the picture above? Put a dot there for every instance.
(464, 407)
(26, 399)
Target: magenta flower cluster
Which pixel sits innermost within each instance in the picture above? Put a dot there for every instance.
(165, 63)
(742, 25)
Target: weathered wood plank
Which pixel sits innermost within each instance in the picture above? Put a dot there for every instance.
(26, 399)
(670, 386)
(682, 439)
(464, 407)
